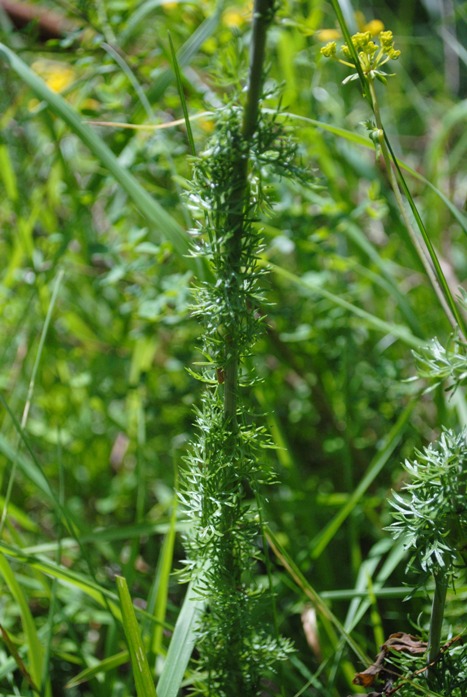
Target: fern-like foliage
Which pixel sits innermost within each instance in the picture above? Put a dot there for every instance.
(225, 469)
(431, 512)
(438, 363)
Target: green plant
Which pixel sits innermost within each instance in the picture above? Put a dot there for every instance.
(368, 59)
(225, 473)
(88, 482)
(439, 364)
(431, 518)
(431, 515)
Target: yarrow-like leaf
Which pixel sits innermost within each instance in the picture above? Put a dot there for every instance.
(430, 514)
(225, 467)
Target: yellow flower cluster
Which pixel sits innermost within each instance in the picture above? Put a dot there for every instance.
(387, 42)
(330, 50)
(372, 54)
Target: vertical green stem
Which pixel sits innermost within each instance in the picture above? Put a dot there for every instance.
(262, 13)
(237, 678)
(224, 470)
(263, 10)
(437, 613)
(427, 264)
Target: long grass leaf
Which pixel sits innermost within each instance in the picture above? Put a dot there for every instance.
(161, 586)
(142, 675)
(103, 666)
(181, 94)
(394, 436)
(17, 659)
(181, 645)
(397, 330)
(35, 649)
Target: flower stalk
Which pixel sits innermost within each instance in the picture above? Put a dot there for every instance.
(421, 251)
(238, 204)
(367, 57)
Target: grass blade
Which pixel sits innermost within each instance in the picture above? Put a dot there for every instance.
(181, 645)
(322, 540)
(398, 330)
(161, 585)
(178, 77)
(103, 666)
(17, 659)
(35, 649)
(142, 675)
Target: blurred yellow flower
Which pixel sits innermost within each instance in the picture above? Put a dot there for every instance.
(207, 125)
(90, 104)
(375, 27)
(57, 76)
(209, 46)
(326, 35)
(234, 17)
(169, 6)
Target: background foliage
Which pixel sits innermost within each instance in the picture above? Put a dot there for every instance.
(97, 335)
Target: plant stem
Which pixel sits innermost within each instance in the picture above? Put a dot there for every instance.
(262, 14)
(231, 643)
(428, 263)
(238, 204)
(436, 623)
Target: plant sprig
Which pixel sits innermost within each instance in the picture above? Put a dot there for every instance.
(431, 517)
(371, 55)
(224, 470)
(368, 59)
